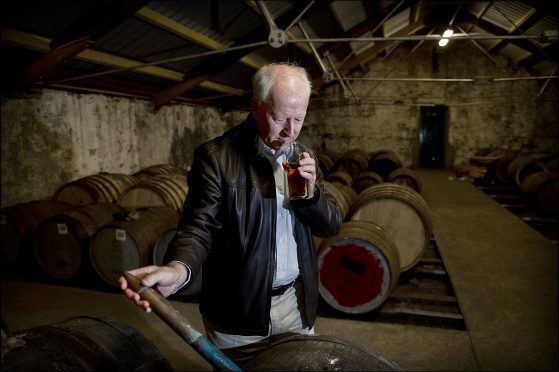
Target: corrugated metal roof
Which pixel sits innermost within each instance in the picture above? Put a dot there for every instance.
(179, 35)
(349, 13)
(141, 41)
(397, 22)
(507, 14)
(547, 23)
(219, 20)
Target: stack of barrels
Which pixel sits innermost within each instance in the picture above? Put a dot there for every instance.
(99, 226)
(534, 175)
(386, 228)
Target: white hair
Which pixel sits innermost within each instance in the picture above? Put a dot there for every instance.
(268, 75)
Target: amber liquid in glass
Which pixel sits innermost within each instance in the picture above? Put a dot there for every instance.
(297, 184)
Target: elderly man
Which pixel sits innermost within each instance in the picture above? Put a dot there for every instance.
(260, 276)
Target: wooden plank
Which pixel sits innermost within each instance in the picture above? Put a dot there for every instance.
(415, 311)
(407, 295)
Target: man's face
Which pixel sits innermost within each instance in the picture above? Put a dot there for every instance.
(280, 120)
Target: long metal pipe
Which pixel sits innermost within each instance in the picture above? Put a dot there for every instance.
(415, 38)
(266, 13)
(296, 19)
(314, 51)
(451, 80)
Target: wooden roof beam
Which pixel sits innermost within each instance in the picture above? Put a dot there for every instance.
(148, 15)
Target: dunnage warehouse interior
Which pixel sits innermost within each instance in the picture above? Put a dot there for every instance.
(451, 150)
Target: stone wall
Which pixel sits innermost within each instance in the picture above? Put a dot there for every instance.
(50, 138)
(509, 115)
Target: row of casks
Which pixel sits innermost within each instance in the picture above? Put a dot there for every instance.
(386, 228)
(541, 192)
(161, 184)
(535, 175)
(385, 232)
(101, 224)
(354, 171)
(511, 168)
(357, 161)
(508, 168)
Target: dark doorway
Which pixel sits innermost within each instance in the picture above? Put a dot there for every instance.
(432, 136)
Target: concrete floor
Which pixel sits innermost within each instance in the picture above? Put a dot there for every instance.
(503, 272)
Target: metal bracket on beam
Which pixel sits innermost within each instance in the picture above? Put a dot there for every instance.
(276, 37)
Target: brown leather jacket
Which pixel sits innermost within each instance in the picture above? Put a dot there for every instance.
(228, 225)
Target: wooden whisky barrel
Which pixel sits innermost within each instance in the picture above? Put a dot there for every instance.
(384, 162)
(406, 177)
(366, 179)
(344, 196)
(541, 189)
(60, 243)
(353, 162)
(158, 169)
(522, 167)
(400, 211)
(125, 245)
(318, 353)
(164, 189)
(340, 176)
(84, 343)
(325, 162)
(97, 188)
(358, 268)
(17, 223)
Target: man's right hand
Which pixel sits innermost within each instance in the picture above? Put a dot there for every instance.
(166, 279)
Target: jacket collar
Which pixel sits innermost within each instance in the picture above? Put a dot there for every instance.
(252, 135)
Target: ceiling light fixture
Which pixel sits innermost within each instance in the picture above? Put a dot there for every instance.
(446, 37)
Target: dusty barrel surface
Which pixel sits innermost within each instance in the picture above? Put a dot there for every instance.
(127, 244)
(17, 224)
(522, 167)
(319, 353)
(402, 213)
(365, 180)
(97, 188)
(405, 177)
(325, 162)
(60, 242)
(164, 189)
(358, 268)
(83, 344)
(383, 162)
(541, 189)
(340, 176)
(159, 169)
(353, 162)
(344, 195)
(502, 168)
